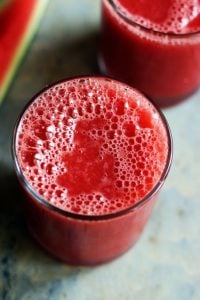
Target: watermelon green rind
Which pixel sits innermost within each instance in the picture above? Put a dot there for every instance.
(23, 45)
(3, 3)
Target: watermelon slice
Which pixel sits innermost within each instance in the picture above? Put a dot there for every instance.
(19, 20)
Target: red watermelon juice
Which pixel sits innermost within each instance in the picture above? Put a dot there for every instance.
(91, 154)
(153, 45)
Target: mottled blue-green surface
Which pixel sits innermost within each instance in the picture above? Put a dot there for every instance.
(165, 264)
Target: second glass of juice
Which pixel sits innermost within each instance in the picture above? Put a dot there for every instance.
(153, 47)
(91, 155)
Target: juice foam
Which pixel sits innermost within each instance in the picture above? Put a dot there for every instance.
(92, 146)
(168, 16)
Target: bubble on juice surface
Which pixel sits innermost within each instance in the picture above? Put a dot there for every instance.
(92, 146)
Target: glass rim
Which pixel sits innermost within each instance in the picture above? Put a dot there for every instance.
(40, 200)
(134, 23)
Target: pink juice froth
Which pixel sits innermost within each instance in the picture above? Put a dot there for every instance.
(92, 147)
(169, 16)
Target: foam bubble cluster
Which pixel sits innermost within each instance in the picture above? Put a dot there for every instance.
(177, 16)
(92, 146)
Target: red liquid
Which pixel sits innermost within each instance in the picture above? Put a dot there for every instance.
(165, 65)
(92, 147)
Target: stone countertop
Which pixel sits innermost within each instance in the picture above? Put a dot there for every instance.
(165, 263)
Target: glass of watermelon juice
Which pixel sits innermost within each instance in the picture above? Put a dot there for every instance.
(152, 45)
(91, 155)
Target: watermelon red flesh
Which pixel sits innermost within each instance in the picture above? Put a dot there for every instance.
(13, 22)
